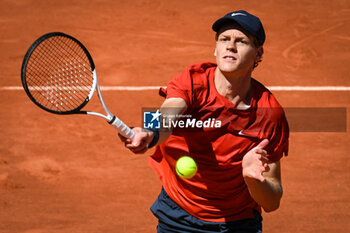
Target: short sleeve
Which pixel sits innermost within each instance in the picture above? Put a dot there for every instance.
(279, 139)
(180, 87)
(185, 84)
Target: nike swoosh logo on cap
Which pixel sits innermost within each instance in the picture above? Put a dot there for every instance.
(234, 14)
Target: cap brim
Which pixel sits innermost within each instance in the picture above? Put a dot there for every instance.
(220, 22)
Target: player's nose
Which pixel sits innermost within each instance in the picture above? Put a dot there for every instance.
(231, 45)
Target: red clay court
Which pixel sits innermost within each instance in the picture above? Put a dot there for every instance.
(71, 174)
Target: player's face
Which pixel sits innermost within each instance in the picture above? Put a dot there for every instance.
(235, 51)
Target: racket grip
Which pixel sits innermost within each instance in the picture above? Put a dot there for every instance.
(122, 128)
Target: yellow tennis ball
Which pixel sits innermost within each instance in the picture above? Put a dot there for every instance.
(186, 167)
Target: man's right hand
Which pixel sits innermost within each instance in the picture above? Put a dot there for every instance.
(139, 143)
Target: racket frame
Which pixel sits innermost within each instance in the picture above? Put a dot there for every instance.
(122, 128)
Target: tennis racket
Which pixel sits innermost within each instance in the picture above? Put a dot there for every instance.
(59, 75)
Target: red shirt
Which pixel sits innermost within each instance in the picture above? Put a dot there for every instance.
(218, 192)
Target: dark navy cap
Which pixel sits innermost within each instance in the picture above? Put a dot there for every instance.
(248, 22)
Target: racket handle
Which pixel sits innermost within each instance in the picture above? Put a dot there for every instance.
(122, 128)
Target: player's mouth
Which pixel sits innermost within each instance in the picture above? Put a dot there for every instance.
(229, 58)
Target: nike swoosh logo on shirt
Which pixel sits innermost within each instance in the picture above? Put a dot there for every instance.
(240, 133)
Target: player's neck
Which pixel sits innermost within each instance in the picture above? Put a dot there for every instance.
(237, 89)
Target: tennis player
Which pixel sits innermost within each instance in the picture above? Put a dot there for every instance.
(238, 157)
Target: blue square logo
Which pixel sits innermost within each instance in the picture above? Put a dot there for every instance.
(151, 120)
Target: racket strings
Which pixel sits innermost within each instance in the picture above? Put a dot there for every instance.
(63, 69)
(59, 75)
(59, 60)
(49, 92)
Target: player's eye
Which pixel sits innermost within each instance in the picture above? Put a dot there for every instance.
(243, 42)
(223, 39)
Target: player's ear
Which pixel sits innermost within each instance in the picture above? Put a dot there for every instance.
(215, 52)
(259, 53)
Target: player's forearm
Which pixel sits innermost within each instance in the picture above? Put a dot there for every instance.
(267, 194)
(170, 110)
(163, 136)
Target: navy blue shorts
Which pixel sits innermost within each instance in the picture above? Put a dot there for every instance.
(172, 218)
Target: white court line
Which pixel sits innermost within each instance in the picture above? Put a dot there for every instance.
(146, 88)
(129, 88)
(309, 88)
